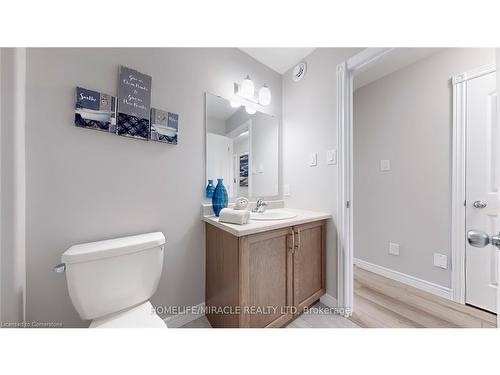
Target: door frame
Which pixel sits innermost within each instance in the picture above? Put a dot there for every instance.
(458, 183)
(345, 250)
(345, 247)
(233, 134)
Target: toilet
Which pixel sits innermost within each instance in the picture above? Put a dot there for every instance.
(110, 282)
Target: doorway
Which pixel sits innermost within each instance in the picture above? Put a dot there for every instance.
(452, 291)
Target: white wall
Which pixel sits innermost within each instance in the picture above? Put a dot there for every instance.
(406, 117)
(265, 157)
(310, 125)
(83, 185)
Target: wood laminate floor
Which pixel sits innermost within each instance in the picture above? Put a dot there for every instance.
(383, 303)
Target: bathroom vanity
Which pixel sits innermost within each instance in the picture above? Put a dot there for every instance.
(264, 273)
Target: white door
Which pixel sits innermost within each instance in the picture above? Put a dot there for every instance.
(482, 183)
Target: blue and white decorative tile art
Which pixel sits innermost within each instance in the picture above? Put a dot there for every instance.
(94, 110)
(164, 126)
(244, 170)
(134, 93)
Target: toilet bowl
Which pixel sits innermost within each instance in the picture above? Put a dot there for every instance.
(142, 316)
(110, 282)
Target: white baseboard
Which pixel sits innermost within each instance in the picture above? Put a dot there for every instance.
(415, 282)
(177, 321)
(328, 300)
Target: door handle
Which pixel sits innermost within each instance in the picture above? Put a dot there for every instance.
(479, 204)
(292, 249)
(477, 238)
(298, 240)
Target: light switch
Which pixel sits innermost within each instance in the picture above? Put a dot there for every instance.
(313, 159)
(385, 165)
(331, 157)
(440, 260)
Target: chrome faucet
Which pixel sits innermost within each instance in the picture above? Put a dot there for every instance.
(260, 207)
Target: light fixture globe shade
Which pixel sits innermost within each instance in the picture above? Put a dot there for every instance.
(247, 89)
(250, 110)
(264, 95)
(234, 104)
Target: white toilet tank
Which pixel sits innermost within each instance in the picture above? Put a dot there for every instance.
(108, 276)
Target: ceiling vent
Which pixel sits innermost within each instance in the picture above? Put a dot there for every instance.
(299, 71)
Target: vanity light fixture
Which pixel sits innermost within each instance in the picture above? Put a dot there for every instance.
(246, 91)
(250, 110)
(264, 95)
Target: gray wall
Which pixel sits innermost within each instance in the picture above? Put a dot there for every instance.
(83, 185)
(310, 125)
(406, 117)
(12, 187)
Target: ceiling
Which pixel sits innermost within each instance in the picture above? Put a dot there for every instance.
(392, 61)
(278, 59)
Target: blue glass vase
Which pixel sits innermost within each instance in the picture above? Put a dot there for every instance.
(219, 199)
(210, 189)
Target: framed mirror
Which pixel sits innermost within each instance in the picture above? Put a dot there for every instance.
(242, 149)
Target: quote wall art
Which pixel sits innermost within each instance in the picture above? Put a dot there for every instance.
(130, 113)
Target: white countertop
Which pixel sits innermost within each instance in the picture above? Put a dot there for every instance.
(258, 226)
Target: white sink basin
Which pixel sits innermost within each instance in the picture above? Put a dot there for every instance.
(272, 215)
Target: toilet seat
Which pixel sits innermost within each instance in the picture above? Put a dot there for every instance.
(141, 316)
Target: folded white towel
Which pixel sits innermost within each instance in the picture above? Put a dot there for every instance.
(228, 215)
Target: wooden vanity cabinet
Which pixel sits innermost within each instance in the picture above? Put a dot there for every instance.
(264, 279)
(309, 277)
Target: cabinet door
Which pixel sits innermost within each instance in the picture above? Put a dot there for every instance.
(266, 279)
(309, 264)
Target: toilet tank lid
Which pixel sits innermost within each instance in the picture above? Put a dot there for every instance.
(109, 248)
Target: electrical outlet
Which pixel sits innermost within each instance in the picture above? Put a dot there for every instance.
(393, 248)
(440, 260)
